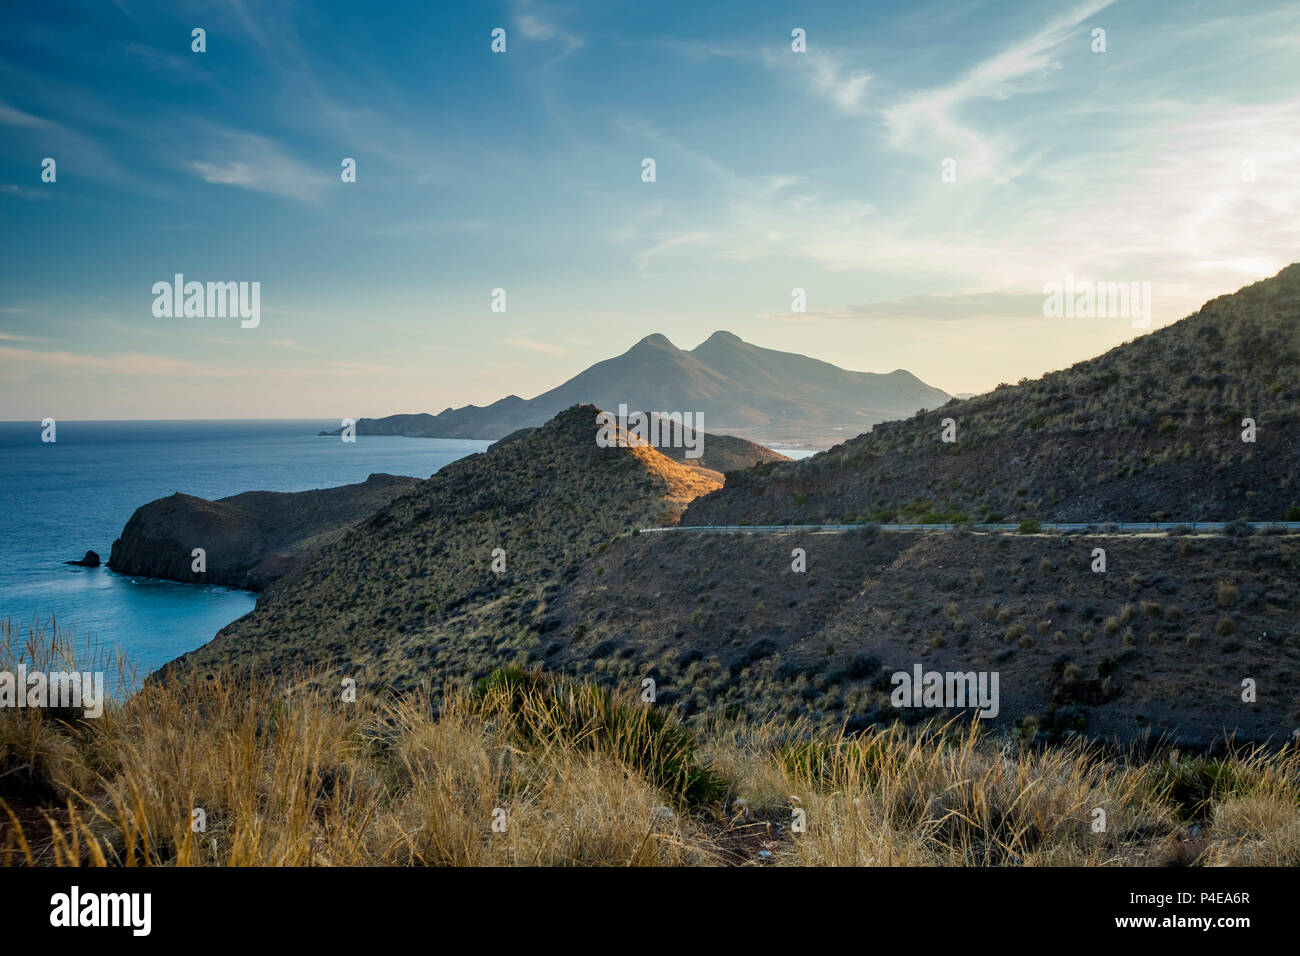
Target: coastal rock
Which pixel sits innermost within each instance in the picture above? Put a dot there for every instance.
(91, 560)
(249, 539)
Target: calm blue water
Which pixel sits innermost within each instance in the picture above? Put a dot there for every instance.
(61, 499)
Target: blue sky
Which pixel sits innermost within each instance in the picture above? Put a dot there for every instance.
(819, 170)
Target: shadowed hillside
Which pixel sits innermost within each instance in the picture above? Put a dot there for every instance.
(1149, 431)
(399, 597)
(1159, 644)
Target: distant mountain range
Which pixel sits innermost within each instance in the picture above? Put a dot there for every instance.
(742, 389)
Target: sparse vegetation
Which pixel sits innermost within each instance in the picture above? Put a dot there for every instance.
(576, 777)
(1118, 437)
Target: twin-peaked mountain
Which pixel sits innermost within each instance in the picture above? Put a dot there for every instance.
(739, 388)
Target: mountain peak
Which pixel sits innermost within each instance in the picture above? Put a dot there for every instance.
(655, 340)
(723, 337)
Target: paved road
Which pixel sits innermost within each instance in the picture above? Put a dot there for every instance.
(1098, 527)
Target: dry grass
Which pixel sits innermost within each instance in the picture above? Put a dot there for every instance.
(296, 776)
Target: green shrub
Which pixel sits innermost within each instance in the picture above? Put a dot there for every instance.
(647, 738)
(1193, 783)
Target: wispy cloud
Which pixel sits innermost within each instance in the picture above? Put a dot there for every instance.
(291, 345)
(930, 122)
(26, 192)
(941, 307)
(133, 364)
(15, 117)
(822, 70)
(537, 22)
(235, 158)
(22, 363)
(646, 257)
(826, 74)
(75, 151)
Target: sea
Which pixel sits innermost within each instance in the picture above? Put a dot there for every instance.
(60, 499)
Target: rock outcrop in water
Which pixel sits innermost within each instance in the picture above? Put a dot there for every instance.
(91, 560)
(248, 540)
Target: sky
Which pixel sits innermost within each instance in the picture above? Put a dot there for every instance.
(826, 170)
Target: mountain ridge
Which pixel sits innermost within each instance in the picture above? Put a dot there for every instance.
(1151, 430)
(745, 390)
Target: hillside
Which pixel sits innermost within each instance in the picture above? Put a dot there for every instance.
(249, 539)
(1157, 645)
(1149, 431)
(398, 596)
(755, 393)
